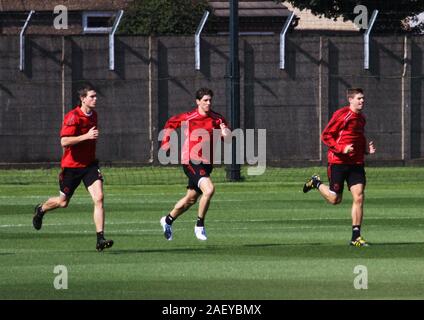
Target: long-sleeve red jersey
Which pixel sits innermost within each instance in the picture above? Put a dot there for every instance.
(345, 127)
(192, 124)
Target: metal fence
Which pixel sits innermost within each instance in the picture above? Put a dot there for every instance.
(155, 77)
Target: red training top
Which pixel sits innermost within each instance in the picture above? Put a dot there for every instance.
(199, 128)
(77, 123)
(345, 127)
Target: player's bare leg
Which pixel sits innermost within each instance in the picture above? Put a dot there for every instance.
(184, 203)
(55, 202)
(315, 183)
(358, 196)
(96, 192)
(52, 203)
(208, 190)
(330, 196)
(180, 207)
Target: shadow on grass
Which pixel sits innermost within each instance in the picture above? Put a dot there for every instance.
(327, 244)
(284, 244)
(167, 250)
(395, 244)
(290, 250)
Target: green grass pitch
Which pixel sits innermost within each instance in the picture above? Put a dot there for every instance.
(267, 240)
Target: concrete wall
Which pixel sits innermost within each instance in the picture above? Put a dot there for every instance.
(155, 78)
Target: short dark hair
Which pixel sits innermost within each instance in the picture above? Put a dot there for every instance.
(203, 92)
(83, 90)
(351, 92)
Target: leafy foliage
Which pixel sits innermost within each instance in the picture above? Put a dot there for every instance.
(393, 16)
(152, 17)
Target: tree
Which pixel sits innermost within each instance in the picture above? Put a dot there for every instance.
(150, 17)
(393, 16)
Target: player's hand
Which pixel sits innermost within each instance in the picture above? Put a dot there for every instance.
(371, 147)
(92, 134)
(225, 132)
(348, 149)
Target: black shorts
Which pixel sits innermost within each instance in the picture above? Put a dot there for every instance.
(339, 173)
(195, 172)
(70, 178)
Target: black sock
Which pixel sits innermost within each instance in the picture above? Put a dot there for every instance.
(169, 219)
(40, 211)
(100, 236)
(356, 232)
(316, 183)
(200, 222)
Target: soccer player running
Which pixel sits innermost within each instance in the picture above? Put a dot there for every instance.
(347, 145)
(78, 138)
(196, 165)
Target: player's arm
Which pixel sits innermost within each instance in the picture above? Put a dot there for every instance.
(67, 141)
(332, 130)
(173, 123)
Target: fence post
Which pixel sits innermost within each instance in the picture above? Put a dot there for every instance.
(406, 100)
(22, 42)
